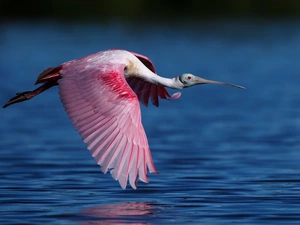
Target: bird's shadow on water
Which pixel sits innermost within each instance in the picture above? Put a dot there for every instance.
(122, 213)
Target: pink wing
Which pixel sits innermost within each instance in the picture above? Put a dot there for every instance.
(145, 90)
(106, 113)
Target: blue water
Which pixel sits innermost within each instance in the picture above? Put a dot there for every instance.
(225, 156)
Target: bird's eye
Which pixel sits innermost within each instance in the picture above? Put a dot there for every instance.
(186, 78)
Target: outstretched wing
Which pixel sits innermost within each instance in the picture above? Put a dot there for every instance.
(106, 113)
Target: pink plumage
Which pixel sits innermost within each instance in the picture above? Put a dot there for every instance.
(101, 94)
(106, 113)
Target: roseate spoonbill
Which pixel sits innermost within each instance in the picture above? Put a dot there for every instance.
(100, 94)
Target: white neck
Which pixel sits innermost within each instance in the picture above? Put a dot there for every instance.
(137, 69)
(145, 74)
(162, 81)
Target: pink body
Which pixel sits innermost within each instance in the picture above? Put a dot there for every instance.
(104, 109)
(100, 93)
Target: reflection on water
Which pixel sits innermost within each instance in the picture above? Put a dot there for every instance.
(225, 156)
(123, 213)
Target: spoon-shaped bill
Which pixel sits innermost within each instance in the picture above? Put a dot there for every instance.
(204, 81)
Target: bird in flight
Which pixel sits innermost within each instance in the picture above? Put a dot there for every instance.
(101, 94)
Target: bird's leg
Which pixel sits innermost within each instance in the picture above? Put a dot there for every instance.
(23, 96)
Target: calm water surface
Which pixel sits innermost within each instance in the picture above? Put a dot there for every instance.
(225, 156)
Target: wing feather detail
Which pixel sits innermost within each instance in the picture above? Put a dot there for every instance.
(146, 91)
(106, 113)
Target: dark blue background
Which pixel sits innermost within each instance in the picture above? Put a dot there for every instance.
(225, 155)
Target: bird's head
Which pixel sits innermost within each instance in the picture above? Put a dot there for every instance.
(188, 80)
